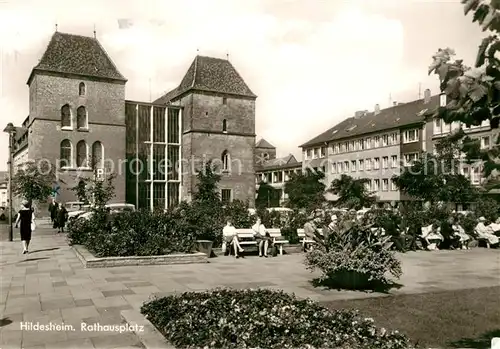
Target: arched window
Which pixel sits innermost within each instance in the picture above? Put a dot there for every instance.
(81, 154)
(65, 154)
(224, 125)
(81, 117)
(226, 161)
(81, 89)
(66, 116)
(97, 155)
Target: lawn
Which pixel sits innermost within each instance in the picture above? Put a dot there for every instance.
(448, 319)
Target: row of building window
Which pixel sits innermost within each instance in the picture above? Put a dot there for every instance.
(82, 155)
(275, 176)
(440, 127)
(67, 119)
(374, 185)
(409, 136)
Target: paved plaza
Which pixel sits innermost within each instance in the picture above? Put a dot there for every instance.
(50, 285)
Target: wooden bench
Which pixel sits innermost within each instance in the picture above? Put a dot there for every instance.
(246, 237)
(277, 239)
(303, 239)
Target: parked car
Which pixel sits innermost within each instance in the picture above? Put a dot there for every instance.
(112, 208)
(83, 209)
(74, 206)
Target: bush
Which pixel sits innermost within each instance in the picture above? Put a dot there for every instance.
(238, 212)
(140, 233)
(487, 208)
(268, 319)
(352, 249)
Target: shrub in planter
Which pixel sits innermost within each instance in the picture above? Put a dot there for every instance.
(353, 257)
(140, 233)
(225, 318)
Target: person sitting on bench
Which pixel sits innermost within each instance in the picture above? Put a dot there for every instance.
(485, 232)
(230, 235)
(262, 237)
(310, 230)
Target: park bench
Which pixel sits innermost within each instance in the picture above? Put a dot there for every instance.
(246, 238)
(303, 239)
(484, 239)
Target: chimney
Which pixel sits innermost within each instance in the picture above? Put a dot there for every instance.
(427, 96)
(359, 113)
(394, 103)
(377, 109)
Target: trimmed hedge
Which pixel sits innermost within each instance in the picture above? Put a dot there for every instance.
(140, 233)
(267, 319)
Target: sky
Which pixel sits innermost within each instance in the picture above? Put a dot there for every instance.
(312, 63)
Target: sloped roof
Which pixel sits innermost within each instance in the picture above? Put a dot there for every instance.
(264, 144)
(76, 54)
(283, 162)
(394, 117)
(212, 75)
(20, 132)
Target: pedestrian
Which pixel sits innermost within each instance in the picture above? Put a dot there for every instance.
(53, 214)
(61, 217)
(51, 211)
(26, 217)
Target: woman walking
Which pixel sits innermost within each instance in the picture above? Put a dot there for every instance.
(27, 219)
(61, 217)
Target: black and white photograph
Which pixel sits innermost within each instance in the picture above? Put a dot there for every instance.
(249, 174)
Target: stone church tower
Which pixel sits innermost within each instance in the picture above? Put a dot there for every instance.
(77, 111)
(218, 125)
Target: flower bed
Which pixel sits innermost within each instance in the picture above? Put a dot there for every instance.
(268, 319)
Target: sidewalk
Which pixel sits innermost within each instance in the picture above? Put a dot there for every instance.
(50, 286)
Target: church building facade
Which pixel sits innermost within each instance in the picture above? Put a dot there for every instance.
(79, 120)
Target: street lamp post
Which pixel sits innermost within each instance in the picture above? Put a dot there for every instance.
(10, 129)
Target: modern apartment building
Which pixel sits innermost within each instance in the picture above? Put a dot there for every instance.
(373, 145)
(272, 170)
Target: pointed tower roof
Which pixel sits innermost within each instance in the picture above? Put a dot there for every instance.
(211, 75)
(79, 55)
(264, 144)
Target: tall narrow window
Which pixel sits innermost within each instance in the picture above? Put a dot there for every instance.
(65, 154)
(81, 89)
(226, 196)
(224, 100)
(226, 163)
(81, 154)
(81, 117)
(97, 155)
(224, 125)
(65, 116)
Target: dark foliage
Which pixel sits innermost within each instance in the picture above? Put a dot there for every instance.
(262, 319)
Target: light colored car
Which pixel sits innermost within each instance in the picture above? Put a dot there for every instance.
(73, 206)
(113, 208)
(83, 209)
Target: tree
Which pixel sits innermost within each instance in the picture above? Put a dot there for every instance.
(267, 196)
(81, 191)
(306, 189)
(206, 209)
(34, 181)
(101, 191)
(207, 186)
(352, 193)
(437, 177)
(473, 94)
